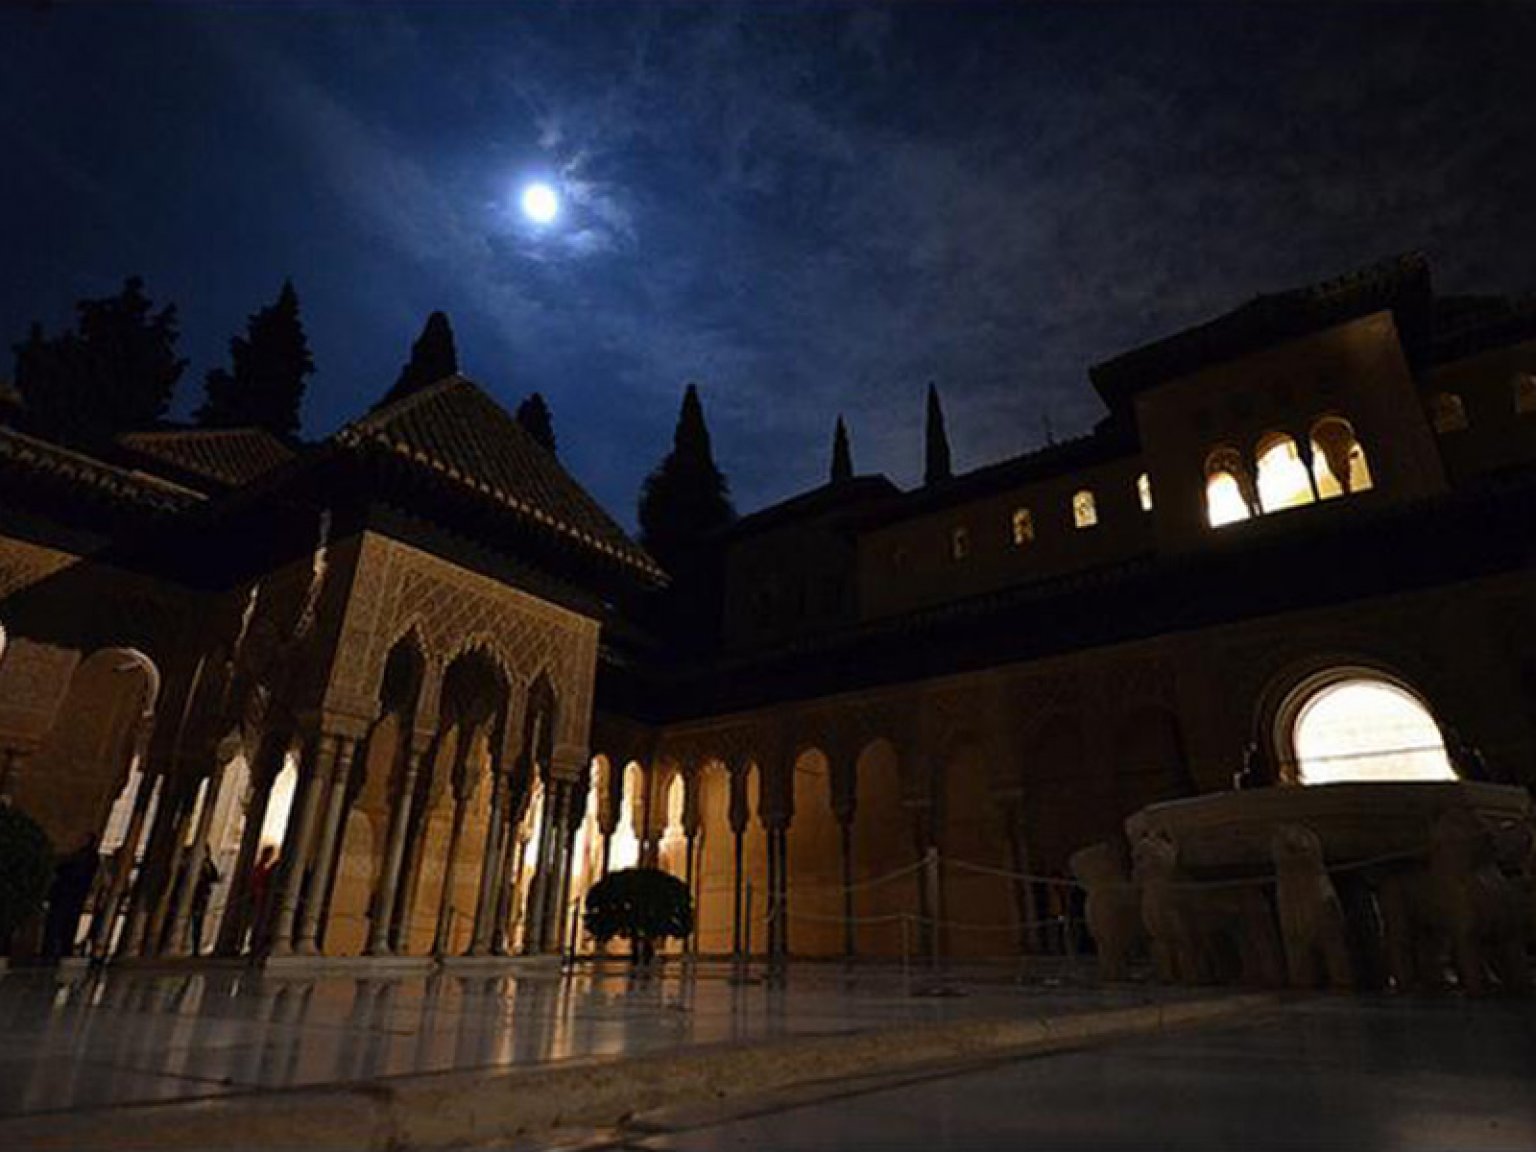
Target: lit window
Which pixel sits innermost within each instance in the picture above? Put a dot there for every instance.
(1225, 500)
(1283, 479)
(1525, 394)
(1144, 492)
(1367, 729)
(1023, 527)
(1085, 514)
(1447, 413)
(959, 544)
(1224, 503)
(1339, 467)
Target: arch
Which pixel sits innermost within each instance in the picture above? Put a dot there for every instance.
(1447, 412)
(815, 865)
(672, 842)
(88, 755)
(1524, 389)
(624, 844)
(1358, 723)
(1339, 466)
(1023, 527)
(1085, 510)
(1226, 497)
(714, 883)
(1144, 492)
(1281, 474)
(587, 845)
(882, 845)
(979, 907)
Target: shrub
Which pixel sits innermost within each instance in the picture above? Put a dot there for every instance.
(26, 870)
(641, 905)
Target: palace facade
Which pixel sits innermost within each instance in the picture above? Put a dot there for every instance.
(1297, 549)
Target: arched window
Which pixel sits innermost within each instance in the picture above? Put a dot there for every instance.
(959, 543)
(1144, 492)
(1364, 727)
(1023, 527)
(274, 825)
(1447, 413)
(1085, 513)
(1339, 467)
(1225, 502)
(1525, 394)
(1282, 477)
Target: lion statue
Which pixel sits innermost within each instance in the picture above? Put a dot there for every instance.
(1113, 907)
(1312, 924)
(1459, 906)
(1203, 933)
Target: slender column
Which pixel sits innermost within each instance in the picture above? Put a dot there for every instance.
(317, 894)
(736, 836)
(162, 851)
(122, 865)
(460, 786)
(394, 854)
(504, 938)
(926, 909)
(567, 848)
(178, 939)
(783, 903)
(490, 867)
(773, 893)
(690, 846)
(300, 840)
(533, 906)
(549, 866)
(849, 937)
(177, 875)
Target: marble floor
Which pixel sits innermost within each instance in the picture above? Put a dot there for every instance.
(70, 1040)
(1362, 1075)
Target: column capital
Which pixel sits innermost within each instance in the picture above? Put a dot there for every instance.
(568, 761)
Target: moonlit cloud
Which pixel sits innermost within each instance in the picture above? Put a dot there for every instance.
(808, 209)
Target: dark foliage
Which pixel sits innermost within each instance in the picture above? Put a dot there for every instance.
(686, 498)
(26, 870)
(433, 356)
(641, 905)
(114, 372)
(533, 415)
(269, 367)
(936, 466)
(842, 455)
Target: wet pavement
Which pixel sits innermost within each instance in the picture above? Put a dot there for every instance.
(72, 1040)
(1364, 1074)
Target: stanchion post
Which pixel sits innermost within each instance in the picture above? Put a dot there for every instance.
(931, 878)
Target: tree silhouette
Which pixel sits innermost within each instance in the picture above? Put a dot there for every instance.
(936, 465)
(641, 905)
(433, 356)
(842, 455)
(268, 372)
(686, 498)
(114, 372)
(533, 415)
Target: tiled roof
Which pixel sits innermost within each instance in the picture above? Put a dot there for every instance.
(120, 485)
(455, 431)
(229, 456)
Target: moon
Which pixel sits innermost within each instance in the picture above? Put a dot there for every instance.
(540, 203)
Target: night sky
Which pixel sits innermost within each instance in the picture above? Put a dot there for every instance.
(808, 210)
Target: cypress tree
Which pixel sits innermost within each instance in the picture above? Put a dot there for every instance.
(269, 370)
(433, 356)
(533, 415)
(842, 455)
(936, 465)
(687, 497)
(114, 372)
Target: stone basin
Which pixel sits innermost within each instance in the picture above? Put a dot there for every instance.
(1227, 834)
